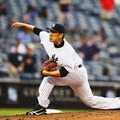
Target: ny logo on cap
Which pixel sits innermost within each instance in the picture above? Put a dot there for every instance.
(53, 25)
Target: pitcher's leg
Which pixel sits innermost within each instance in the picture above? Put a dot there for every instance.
(44, 92)
(85, 94)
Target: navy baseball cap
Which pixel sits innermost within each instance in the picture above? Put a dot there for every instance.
(57, 27)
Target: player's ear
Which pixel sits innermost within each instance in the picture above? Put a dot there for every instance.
(61, 35)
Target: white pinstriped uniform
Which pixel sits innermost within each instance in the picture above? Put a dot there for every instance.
(77, 78)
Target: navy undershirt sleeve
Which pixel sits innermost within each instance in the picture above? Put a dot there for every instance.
(37, 30)
(63, 72)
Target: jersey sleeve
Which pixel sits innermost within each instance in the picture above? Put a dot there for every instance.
(44, 37)
(44, 40)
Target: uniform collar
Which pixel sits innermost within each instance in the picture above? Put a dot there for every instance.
(59, 46)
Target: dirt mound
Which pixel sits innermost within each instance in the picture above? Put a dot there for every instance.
(86, 115)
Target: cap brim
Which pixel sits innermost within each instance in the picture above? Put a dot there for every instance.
(52, 30)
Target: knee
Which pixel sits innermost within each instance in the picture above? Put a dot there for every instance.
(90, 102)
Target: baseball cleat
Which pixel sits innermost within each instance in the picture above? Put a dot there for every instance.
(38, 110)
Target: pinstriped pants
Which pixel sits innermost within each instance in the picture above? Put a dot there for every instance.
(78, 81)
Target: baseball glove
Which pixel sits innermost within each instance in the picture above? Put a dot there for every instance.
(49, 65)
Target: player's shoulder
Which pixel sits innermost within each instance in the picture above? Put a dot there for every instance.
(66, 42)
(44, 33)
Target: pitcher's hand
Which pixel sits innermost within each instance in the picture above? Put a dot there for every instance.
(17, 25)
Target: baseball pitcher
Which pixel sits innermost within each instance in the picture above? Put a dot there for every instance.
(69, 71)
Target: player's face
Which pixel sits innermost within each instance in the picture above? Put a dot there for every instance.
(54, 37)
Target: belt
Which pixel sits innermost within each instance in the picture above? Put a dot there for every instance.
(80, 65)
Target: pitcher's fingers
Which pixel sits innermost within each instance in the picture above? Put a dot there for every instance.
(14, 25)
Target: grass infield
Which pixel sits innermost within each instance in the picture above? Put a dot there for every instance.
(20, 111)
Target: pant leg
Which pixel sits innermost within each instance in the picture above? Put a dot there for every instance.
(85, 94)
(44, 92)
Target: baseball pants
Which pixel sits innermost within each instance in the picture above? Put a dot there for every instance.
(78, 81)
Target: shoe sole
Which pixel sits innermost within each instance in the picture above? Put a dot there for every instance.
(41, 113)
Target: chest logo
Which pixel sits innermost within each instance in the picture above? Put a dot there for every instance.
(54, 58)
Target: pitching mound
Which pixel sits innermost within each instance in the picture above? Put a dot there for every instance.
(86, 115)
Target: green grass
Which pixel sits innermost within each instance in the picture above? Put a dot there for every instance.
(12, 111)
(19, 111)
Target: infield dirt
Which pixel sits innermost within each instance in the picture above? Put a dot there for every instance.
(86, 115)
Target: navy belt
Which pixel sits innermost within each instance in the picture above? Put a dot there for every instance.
(80, 65)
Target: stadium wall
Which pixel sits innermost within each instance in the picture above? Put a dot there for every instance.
(23, 94)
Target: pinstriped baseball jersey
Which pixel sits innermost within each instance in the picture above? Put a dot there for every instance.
(65, 56)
